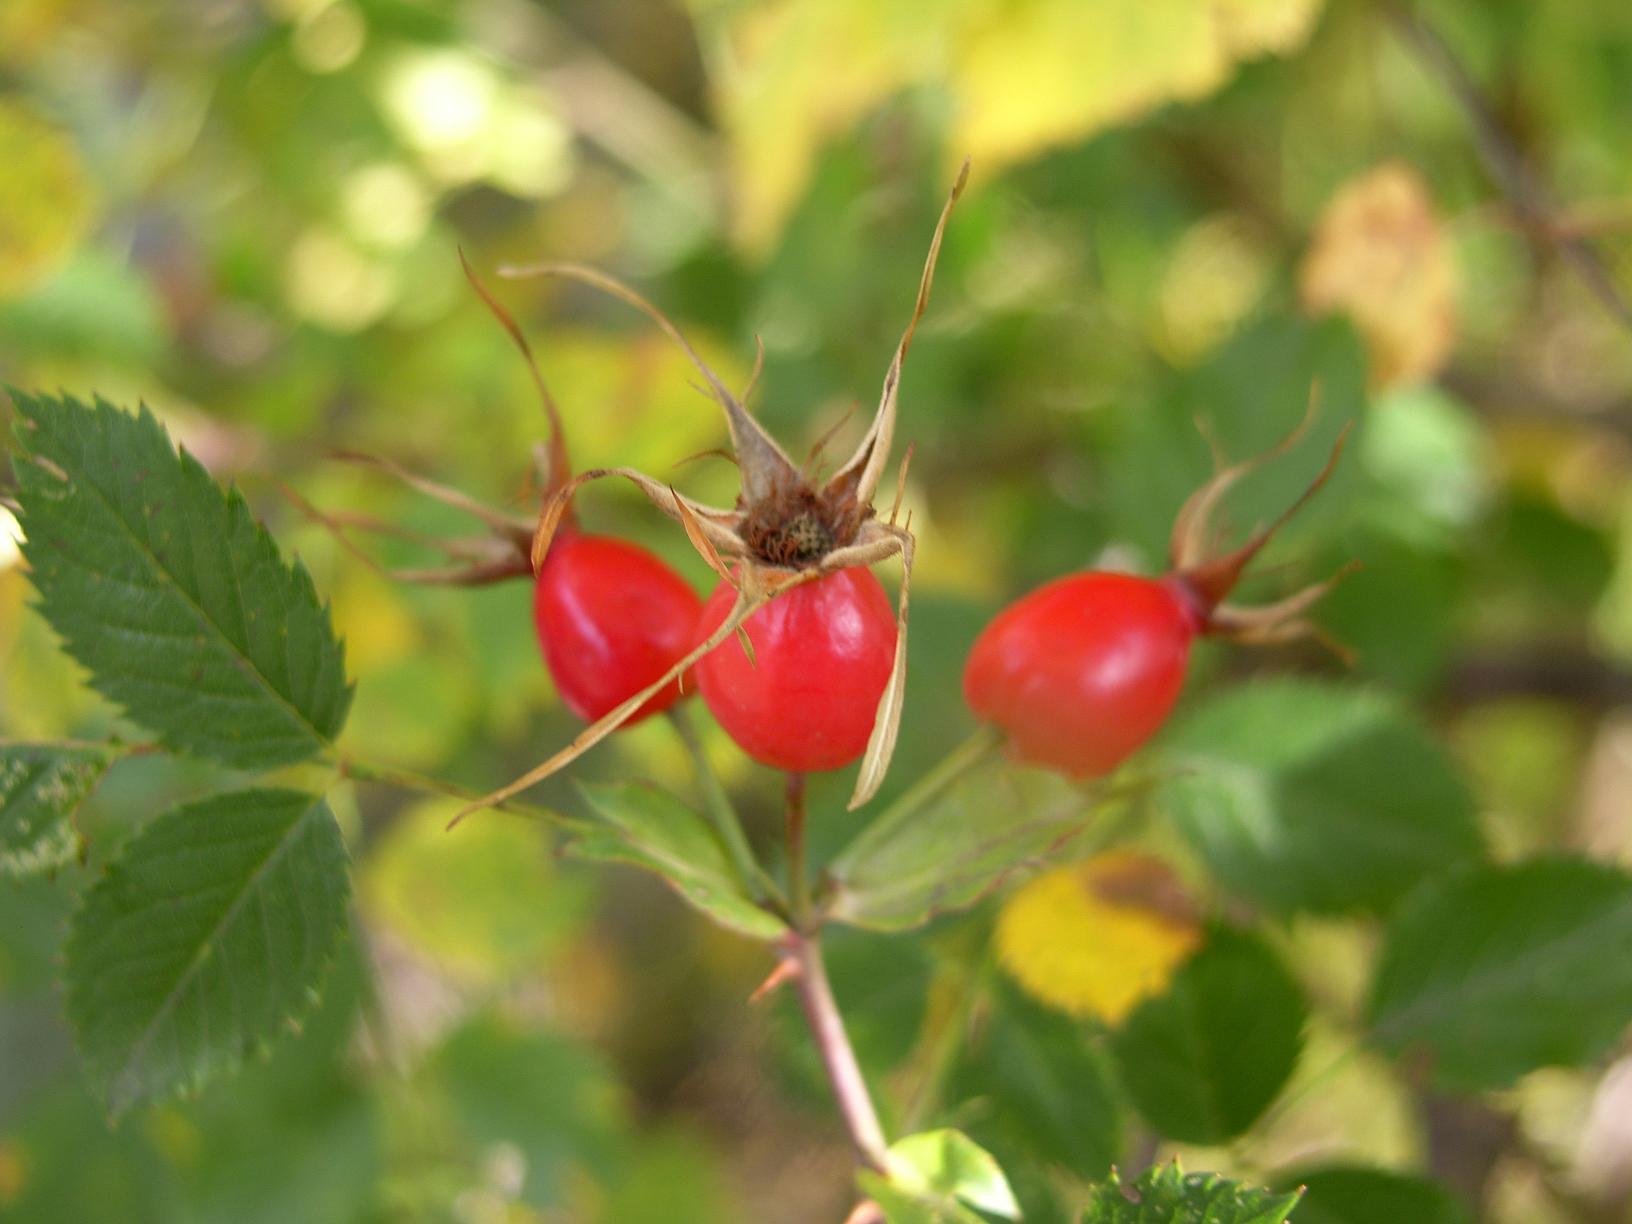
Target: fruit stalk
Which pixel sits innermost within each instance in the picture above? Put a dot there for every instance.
(838, 1056)
(798, 883)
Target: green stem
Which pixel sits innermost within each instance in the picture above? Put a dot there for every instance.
(404, 779)
(721, 814)
(798, 877)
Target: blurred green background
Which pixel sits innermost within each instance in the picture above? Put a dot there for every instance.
(246, 213)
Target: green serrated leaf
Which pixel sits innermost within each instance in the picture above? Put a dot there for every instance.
(207, 937)
(1168, 1195)
(169, 593)
(1311, 796)
(1498, 970)
(1204, 1059)
(649, 828)
(1353, 1194)
(909, 866)
(41, 787)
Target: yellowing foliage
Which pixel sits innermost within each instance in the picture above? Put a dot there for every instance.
(1380, 256)
(1097, 938)
(1022, 75)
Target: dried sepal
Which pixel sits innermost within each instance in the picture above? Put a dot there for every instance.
(1194, 533)
(860, 476)
(559, 465)
(717, 525)
(1213, 579)
(875, 762)
(762, 461)
(507, 524)
(1282, 621)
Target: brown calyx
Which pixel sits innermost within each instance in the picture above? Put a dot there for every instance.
(795, 526)
(1206, 577)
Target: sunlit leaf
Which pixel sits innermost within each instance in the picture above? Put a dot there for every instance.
(1204, 1059)
(207, 938)
(169, 592)
(1499, 970)
(1096, 938)
(938, 1176)
(1168, 1195)
(1380, 256)
(649, 828)
(1024, 76)
(41, 787)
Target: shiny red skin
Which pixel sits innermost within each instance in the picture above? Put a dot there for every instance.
(823, 652)
(1083, 671)
(611, 619)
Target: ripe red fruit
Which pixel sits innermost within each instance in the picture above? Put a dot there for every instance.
(1083, 671)
(611, 619)
(823, 652)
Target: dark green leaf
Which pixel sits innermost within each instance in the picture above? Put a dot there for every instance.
(1204, 1059)
(916, 862)
(1344, 1194)
(649, 828)
(207, 937)
(1309, 796)
(553, 1098)
(1042, 1080)
(169, 593)
(1496, 971)
(41, 787)
(1167, 1195)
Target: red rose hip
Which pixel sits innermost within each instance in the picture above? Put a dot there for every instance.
(1083, 671)
(611, 619)
(822, 656)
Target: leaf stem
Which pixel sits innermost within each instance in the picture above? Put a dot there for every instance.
(798, 878)
(719, 811)
(838, 1056)
(403, 779)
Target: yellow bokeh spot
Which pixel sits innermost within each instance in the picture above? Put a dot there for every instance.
(1096, 938)
(45, 198)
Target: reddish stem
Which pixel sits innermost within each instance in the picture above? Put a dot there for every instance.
(838, 1056)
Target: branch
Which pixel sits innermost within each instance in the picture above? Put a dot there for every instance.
(838, 1056)
(1503, 161)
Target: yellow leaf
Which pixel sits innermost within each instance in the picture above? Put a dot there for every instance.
(1380, 256)
(45, 199)
(1096, 938)
(1021, 75)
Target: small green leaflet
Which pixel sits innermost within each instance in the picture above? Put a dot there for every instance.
(649, 828)
(169, 592)
(938, 1177)
(205, 939)
(41, 788)
(1168, 1195)
(1495, 971)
